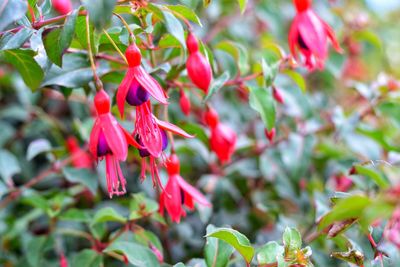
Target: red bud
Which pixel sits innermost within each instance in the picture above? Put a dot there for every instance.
(63, 7)
(270, 134)
(277, 95)
(211, 118)
(302, 5)
(184, 102)
(102, 102)
(133, 55)
(223, 142)
(192, 43)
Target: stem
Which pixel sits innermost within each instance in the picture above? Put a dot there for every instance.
(97, 81)
(127, 26)
(115, 46)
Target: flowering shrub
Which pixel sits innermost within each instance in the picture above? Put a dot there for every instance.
(199, 133)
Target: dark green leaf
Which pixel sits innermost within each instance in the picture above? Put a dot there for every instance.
(8, 165)
(108, 215)
(24, 62)
(82, 176)
(100, 12)
(36, 147)
(87, 258)
(137, 255)
(216, 252)
(15, 40)
(217, 84)
(10, 11)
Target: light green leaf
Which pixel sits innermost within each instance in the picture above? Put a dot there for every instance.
(174, 27)
(269, 253)
(292, 239)
(186, 12)
(242, 5)
(16, 40)
(262, 101)
(270, 70)
(216, 251)
(8, 165)
(141, 206)
(236, 240)
(297, 78)
(373, 175)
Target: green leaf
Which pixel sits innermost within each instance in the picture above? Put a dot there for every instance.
(297, 78)
(87, 258)
(82, 176)
(56, 41)
(269, 253)
(80, 33)
(108, 215)
(36, 248)
(217, 84)
(174, 27)
(141, 206)
(37, 147)
(100, 12)
(351, 207)
(10, 11)
(24, 62)
(292, 239)
(270, 70)
(186, 12)
(242, 5)
(137, 255)
(15, 41)
(262, 101)
(76, 215)
(374, 175)
(236, 240)
(237, 51)
(8, 165)
(353, 256)
(216, 251)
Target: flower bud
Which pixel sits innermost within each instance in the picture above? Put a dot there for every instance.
(198, 68)
(63, 7)
(133, 55)
(184, 102)
(270, 134)
(277, 95)
(211, 118)
(102, 102)
(223, 142)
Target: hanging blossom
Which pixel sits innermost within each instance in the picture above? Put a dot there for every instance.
(137, 85)
(151, 135)
(178, 193)
(309, 34)
(222, 139)
(110, 141)
(80, 158)
(198, 68)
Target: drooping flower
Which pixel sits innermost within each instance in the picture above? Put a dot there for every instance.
(309, 34)
(223, 138)
(184, 102)
(63, 7)
(81, 159)
(198, 68)
(151, 135)
(178, 192)
(137, 85)
(110, 141)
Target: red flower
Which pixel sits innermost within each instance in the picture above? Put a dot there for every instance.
(137, 83)
(223, 138)
(198, 68)
(184, 102)
(62, 6)
(80, 158)
(110, 141)
(342, 183)
(310, 34)
(63, 260)
(178, 193)
(152, 138)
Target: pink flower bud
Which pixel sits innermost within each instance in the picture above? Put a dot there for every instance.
(184, 102)
(270, 134)
(277, 95)
(63, 7)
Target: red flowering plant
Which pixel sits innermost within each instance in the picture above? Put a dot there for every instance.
(261, 145)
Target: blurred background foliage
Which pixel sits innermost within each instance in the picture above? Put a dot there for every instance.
(332, 172)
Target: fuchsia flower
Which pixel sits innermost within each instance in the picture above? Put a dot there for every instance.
(63, 7)
(151, 135)
(198, 68)
(223, 138)
(178, 193)
(110, 141)
(342, 183)
(80, 158)
(137, 84)
(63, 260)
(310, 34)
